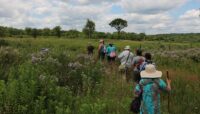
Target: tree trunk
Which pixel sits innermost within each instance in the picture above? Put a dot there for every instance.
(118, 34)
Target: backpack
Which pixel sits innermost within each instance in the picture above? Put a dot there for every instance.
(140, 62)
(103, 49)
(136, 103)
(136, 73)
(113, 53)
(143, 65)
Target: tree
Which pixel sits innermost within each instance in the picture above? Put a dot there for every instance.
(46, 32)
(89, 28)
(2, 31)
(142, 36)
(118, 24)
(34, 33)
(57, 31)
(72, 33)
(28, 31)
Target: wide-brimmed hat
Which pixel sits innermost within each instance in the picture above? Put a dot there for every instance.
(127, 47)
(150, 72)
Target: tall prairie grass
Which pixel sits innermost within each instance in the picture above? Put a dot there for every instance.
(66, 81)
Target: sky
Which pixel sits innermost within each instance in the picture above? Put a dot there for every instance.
(143, 16)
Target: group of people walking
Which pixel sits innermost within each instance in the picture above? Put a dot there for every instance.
(142, 70)
(104, 51)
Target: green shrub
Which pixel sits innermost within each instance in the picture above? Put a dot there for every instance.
(3, 42)
(9, 57)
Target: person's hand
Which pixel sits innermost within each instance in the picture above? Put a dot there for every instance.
(168, 81)
(168, 84)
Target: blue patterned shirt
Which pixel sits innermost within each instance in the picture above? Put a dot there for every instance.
(150, 89)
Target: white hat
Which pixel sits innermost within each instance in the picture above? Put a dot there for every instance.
(127, 47)
(150, 72)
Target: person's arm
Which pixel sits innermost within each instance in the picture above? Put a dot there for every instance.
(137, 90)
(164, 86)
(107, 50)
(120, 56)
(99, 48)
(133, 63)
(168, 84)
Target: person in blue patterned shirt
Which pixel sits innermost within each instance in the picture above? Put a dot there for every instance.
(150, 87)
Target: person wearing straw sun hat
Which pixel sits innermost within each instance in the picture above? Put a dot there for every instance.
(149, 89)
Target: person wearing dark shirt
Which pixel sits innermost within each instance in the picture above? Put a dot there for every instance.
(90, 49)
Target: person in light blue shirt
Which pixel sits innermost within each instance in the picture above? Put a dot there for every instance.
(149, 87)
(111, 52)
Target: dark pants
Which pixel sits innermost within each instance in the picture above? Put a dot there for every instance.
(110, 59)
(101, 56)
(136, 76)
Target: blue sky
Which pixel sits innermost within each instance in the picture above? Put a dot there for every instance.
(193, 4)
(149, 16)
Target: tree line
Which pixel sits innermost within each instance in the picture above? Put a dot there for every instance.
(89, 32)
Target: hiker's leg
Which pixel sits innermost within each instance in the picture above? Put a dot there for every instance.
(126, 74)
(135, 76)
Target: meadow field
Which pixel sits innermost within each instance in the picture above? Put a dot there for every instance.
(63, 80)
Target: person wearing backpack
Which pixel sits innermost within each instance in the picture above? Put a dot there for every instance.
(126, 58)
(137, 61)
(111, 52)
(149, 88)
(147, 61)
(101, 50)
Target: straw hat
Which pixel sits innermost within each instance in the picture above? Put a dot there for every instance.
(127, 47)
(101, 40)
(150, 72)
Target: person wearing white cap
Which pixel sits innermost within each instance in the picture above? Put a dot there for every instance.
(126, 58)
(149, 89)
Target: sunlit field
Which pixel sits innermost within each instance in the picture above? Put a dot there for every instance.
(64, 80)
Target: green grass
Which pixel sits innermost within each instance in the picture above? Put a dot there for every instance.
(51, 87)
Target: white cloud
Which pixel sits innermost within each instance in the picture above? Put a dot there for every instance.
(191, 14)
(142, 16)
(188, 22)
(94, 2)
(151, 6)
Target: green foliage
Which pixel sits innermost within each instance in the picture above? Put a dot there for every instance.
(46, 32)
(3, 42)
(34, 33)
(57, 31)
(72, 34)
(28, 30)
(89, 28)
(65, 81)
(9, 57)
(89, 31)
(118, 24)
(2, 31)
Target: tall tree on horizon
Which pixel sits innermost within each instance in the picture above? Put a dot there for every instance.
(118, 24)
(57, 31)
(89, 28)
(28, 30)
(34, 33)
